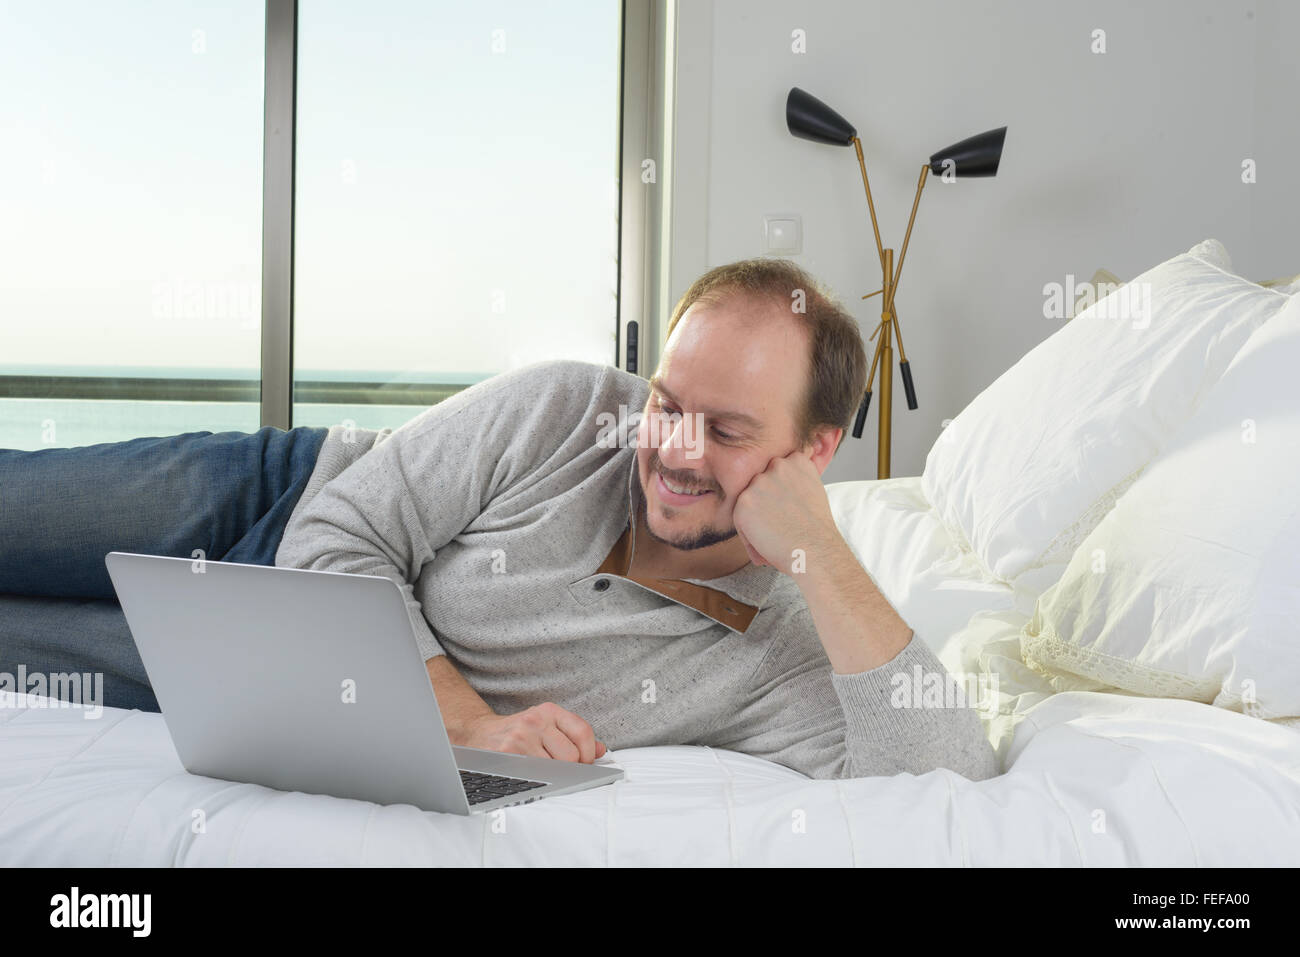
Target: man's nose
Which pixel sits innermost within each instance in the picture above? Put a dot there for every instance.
(676, 445)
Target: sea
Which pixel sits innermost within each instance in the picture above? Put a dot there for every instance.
(30, 424)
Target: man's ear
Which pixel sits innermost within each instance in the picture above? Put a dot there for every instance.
(825, 440)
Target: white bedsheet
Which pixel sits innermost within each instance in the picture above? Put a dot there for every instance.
(1091, 778)
(1095, 779)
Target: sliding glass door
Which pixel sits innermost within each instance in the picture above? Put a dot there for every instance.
(455, 208)
(130, 219)
(456, 205)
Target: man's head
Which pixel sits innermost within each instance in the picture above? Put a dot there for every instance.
(759, 362)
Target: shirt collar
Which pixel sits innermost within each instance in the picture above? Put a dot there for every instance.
(751, 584)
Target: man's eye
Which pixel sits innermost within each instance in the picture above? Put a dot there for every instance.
(725, 436)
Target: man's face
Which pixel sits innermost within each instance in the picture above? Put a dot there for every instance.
(722, 404)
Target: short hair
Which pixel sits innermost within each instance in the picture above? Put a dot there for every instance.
(837, 359)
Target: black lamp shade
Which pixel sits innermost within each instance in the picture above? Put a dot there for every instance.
(809, 118)
(977, 155)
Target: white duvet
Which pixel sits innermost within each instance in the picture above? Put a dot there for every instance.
(1091, 779)
(1094, 780)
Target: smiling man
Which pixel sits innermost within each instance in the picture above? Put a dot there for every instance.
(684, 583)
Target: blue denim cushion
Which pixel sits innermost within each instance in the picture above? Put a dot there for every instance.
(63, 510)
(51, 635)
(229, 494)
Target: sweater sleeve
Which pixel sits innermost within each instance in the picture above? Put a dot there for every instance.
(800, 713)
(390, 511)
(894, 726)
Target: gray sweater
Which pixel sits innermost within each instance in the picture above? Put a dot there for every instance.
(496, 510)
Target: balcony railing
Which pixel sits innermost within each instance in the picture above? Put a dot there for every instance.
(158, 389)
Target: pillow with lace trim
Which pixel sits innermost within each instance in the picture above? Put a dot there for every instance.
(1190, 586)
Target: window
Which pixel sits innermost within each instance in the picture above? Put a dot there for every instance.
(130, 219)
(456, 208)
(457, 198)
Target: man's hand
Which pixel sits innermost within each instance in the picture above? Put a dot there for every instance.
(784, 508)
(544, 731)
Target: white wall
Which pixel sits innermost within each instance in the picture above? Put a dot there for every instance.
(1116, 160)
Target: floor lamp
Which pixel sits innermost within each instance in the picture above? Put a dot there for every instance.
(809, 118)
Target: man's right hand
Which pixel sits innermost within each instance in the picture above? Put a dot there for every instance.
(544, 731)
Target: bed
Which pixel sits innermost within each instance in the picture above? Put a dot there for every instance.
(977, 554)
(1096, 779)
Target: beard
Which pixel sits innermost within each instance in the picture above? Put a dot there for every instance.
(700, 538)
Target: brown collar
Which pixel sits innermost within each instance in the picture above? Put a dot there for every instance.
(732, 600)
(718, 605)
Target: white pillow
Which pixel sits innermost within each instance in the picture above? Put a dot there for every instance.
(1190, 587)
(1213, 252)
(1038, 458)
(934, 584)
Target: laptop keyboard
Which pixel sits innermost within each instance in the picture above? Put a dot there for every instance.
(480, 787)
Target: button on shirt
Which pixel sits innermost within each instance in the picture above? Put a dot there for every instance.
(505, 515)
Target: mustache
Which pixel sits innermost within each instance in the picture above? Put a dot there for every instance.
(687, 480)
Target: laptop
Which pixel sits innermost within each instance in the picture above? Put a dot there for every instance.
(311, 681)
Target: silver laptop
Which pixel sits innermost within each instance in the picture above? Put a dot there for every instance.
(311, 681)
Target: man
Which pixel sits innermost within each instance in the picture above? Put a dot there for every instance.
(575, 585)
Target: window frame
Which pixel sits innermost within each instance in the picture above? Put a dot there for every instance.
(646, 117)
(645, 111)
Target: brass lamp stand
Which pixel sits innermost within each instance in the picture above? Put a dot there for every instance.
(809, 118)
(884, 354)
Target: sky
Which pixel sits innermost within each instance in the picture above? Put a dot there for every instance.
(456, 184)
